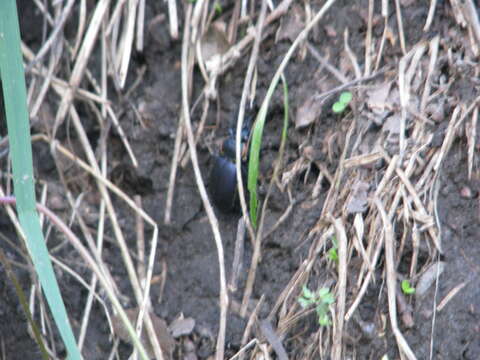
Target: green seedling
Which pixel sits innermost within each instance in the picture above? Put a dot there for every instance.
(218, 8)
(322, 299)
(407, 288)
(342, 102)
(332, 254)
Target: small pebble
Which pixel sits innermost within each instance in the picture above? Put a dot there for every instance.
(466, 192)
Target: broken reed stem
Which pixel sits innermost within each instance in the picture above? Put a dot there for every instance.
(201, 186)
(392, 280)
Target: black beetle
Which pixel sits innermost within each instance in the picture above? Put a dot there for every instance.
(223, 178)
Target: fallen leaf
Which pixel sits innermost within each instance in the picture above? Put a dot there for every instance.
(359, 200)
(214, 44)
(377, 97)
(308, 112)
(427, 279)
(182, 326)
(392, 124)
(290, 25)
(166, 341)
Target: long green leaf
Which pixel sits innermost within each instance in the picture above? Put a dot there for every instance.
(14, 92)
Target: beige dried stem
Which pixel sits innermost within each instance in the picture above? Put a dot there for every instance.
(341, 288)
(400, 26)
(391, 280)
(186, 48)
(368, 39)
(81, 62)
(386, 30)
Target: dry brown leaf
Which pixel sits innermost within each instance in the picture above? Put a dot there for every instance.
(428, 278)
(392, 124)
(182, 326)
(308, 112)
(291, 24)
(359, 200)
(214, 43)
(166, 341)
(377, 97)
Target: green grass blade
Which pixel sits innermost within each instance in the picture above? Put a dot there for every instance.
(254, 160)
(14, 92)
(257, 133)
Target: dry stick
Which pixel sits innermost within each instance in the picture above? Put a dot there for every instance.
(100, 234)
(139, 228)
(104, 68)
(201, 188)
(368, 39)
(238, 145)
(392, 281)
(82, 15)
(470, 12)
(273, 339)
(300, 38)
(81, 62)
(235, 51)
(241, 353)
(237, 264)
(53, 36)
(471, 139)
(140, 26)
(233, 25)
(400, 26)
(431, 14)
(384, 36)
(173, 18)
(351, 55)
(173, 171)
(200, 128)
(127, 42)
(434, 44)
(341, 288)
(251, 321)
(340, 77)
(117, 231)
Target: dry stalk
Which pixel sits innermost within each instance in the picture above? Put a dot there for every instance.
(81, 62)
(341, 288)
(392, 281)
(400, 26)
(201, 187)
(368, 39)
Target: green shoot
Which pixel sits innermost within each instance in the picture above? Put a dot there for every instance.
(342, 102)
(254, 154)
(16, 111)
(407, 288)
(322, 299)
(218, 8)
(332, 254)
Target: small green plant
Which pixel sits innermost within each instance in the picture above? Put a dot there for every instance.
(332, 254)
(342, 102)
(218, 8)
(407, 288)
(322, 299)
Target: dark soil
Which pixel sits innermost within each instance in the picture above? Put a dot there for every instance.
(187, 247)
